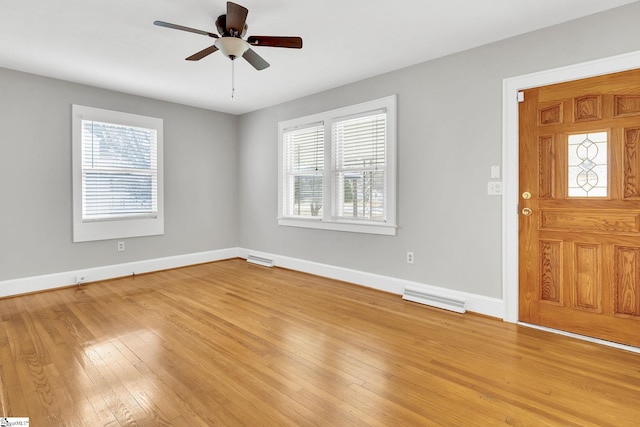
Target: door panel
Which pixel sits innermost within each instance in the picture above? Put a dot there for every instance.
(580, 228)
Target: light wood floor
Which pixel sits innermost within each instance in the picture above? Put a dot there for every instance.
(235, 344)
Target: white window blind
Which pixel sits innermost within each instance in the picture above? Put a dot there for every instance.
(119, 171)
(304, 170)
(359, 158)
(337, 169)
(117, 174)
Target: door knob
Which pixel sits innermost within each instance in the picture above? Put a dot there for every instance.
(526, 195)
(527, 211)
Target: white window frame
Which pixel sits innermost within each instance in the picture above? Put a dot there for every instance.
(328, 221)
(91, 230)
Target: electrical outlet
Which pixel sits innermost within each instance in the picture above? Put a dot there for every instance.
(120, 246)
(410, 258)
(494, 188)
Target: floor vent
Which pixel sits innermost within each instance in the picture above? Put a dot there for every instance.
(265, 262)
(422, 297)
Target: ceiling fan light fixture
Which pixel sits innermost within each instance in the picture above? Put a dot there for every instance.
(232, 47)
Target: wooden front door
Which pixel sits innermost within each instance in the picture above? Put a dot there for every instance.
(579, 226)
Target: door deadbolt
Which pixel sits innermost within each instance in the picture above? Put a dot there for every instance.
(527, 211)
(526, 195)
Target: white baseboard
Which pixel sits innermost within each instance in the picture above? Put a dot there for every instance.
(28, 285)
(476, 303)
(480, 304)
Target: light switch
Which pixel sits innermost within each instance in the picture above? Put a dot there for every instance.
(495, 172)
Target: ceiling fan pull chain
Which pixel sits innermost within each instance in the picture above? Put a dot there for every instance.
(233, 80)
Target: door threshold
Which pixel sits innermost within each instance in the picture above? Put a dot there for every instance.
(582, 337)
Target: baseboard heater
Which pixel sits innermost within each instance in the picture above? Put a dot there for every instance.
(265, 262)
(422, 297)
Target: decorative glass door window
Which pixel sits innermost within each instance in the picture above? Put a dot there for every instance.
(588, 168)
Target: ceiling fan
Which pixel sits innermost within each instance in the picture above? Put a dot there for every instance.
(232, 27)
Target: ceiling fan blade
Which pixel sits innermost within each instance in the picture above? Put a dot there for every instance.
(183, 28)
(236, 18)
(254, 59)
(204, 52)
(275, 41)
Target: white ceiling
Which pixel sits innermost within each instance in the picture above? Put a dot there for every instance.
(113, 44)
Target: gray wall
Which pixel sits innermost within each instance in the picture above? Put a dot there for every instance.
(200, 158)
(450, 133)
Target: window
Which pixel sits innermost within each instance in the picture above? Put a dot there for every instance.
(304, 160)
(337, 169)
(117, 175)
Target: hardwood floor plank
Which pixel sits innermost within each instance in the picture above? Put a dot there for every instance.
(186, 394)
(233, 344)
(12, 396)
(69, 357)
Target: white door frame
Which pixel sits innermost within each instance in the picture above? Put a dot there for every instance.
(510, 167)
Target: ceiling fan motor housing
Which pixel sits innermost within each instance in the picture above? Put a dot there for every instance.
(221, 25)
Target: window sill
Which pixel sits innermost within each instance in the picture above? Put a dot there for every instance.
(352, 227)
